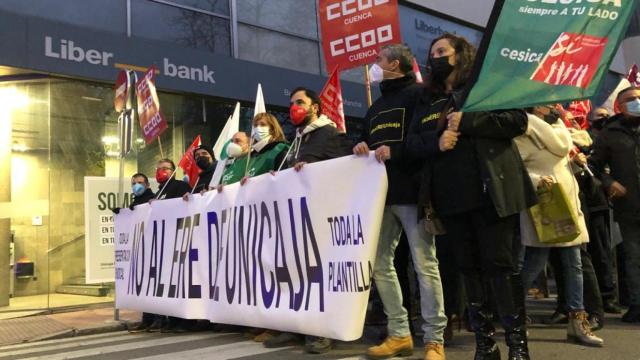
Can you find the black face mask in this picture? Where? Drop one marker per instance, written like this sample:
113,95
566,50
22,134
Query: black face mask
550,119
203,162
440,68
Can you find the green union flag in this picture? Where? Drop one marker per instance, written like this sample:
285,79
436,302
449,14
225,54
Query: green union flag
547,51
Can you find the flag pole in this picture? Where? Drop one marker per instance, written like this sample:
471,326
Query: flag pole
367,84
160,145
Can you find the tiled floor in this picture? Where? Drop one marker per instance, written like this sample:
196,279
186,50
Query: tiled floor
51,301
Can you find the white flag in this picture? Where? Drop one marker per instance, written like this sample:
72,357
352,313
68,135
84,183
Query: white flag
260,107
231,127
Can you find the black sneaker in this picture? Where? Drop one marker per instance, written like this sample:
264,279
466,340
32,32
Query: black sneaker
595,322
141,327
632,315
558,317
610,307
318,345
284,339
156,326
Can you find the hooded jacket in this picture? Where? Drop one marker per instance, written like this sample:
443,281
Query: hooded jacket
387,123
318,141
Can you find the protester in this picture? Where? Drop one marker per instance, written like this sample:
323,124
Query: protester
544,149
206,162
269,147
142,193
237,151
477,185
618,148
384,131
317,139
170,188
598,120
269,150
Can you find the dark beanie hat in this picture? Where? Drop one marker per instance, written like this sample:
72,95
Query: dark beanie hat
205,148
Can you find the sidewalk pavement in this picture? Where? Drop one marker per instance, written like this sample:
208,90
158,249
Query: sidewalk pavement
64,324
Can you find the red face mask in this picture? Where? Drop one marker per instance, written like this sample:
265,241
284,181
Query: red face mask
162,175
297,114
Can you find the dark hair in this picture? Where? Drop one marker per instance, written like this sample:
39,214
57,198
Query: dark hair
402,53
173,165
315,99
146,179
630,88
465,57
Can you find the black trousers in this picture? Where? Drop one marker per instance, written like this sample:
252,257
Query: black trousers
482,241
452,285
602,254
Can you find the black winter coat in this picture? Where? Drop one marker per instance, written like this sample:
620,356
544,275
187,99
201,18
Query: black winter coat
174,189
483,169
618,147
387,123
324,143
205,178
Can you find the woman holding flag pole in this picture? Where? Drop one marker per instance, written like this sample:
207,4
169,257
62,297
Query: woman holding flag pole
475,181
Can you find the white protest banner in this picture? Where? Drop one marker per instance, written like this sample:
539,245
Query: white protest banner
291,252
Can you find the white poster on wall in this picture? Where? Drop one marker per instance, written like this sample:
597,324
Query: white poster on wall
100,196
291,252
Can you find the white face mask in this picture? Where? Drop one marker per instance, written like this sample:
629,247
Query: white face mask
376,74
234,150
260,133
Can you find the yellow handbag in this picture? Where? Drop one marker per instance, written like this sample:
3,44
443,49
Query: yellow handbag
553,217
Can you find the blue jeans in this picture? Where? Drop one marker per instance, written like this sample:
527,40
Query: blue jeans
631,247
423,251
535,259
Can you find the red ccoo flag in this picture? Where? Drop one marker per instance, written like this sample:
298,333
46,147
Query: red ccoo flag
331,97
634,75
188,163
416,70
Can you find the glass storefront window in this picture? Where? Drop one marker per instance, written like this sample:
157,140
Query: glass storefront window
24,197
269,47
92,14
294,16
54,133
184,27
215,6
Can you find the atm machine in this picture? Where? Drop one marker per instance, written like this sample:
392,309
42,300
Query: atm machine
12,266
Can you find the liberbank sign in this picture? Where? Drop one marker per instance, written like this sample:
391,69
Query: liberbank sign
60,49
68,50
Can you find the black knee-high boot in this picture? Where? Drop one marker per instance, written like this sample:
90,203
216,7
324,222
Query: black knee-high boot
480,319
509,296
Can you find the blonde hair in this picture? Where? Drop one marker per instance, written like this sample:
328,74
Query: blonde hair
276,131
